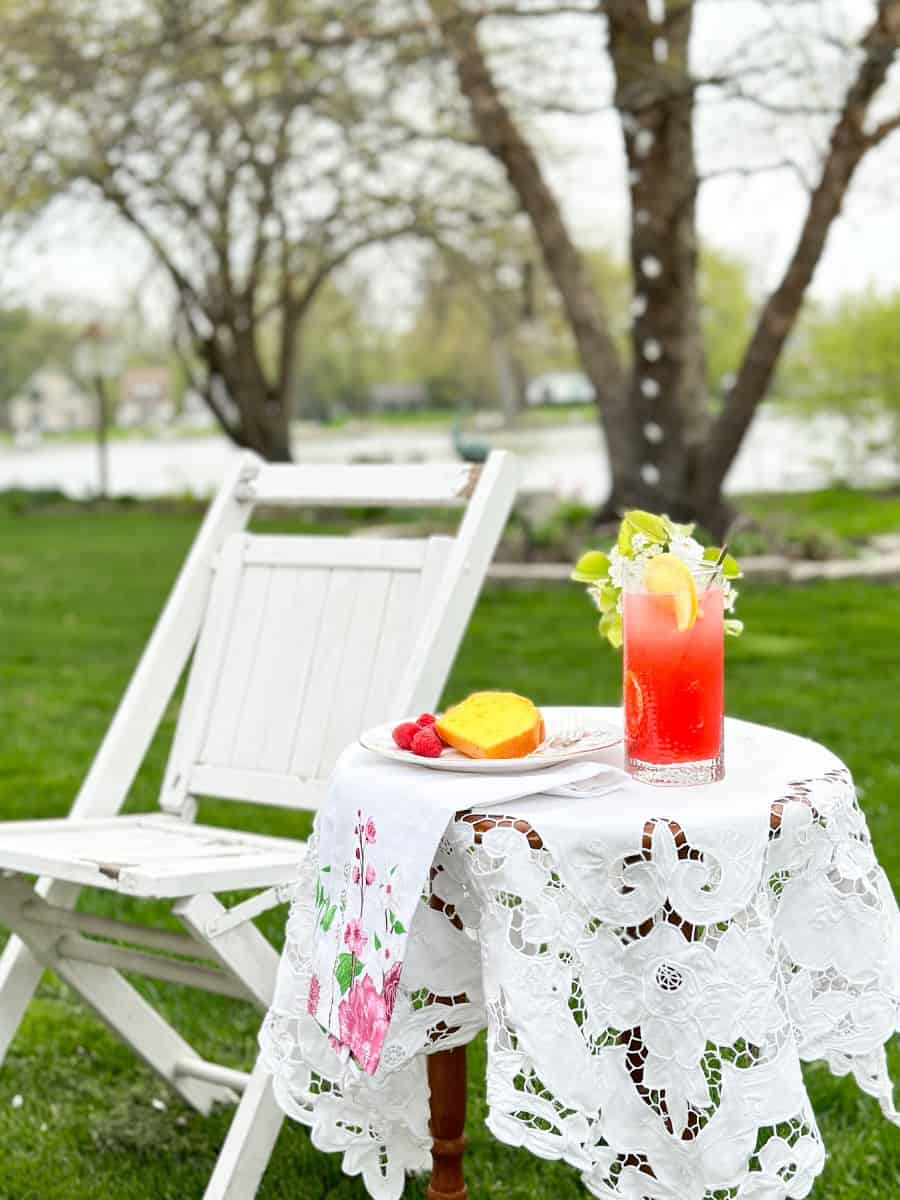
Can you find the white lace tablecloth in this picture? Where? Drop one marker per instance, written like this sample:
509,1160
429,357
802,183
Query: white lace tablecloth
651,967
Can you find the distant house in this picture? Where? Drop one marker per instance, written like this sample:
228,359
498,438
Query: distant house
51,402
398,397
145,396
559,387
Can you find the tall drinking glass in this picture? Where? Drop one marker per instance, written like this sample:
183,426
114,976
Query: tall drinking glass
673,683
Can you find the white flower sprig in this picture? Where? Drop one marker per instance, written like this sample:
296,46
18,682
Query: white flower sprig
642,536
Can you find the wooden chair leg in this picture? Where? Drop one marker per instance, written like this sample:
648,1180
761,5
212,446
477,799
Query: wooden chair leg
251,1139
447,1080
114,1000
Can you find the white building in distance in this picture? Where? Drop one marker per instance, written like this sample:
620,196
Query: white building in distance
51,402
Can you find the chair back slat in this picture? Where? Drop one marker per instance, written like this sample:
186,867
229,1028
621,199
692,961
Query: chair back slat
409,599
236,656
308,640
302,657
358,553
359,485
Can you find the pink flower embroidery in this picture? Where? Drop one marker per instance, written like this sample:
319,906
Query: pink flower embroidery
355,938
312,1000
370,876
389,988
363,1022
370,830
356,874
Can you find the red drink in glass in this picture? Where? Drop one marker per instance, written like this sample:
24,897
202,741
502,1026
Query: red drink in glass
673,686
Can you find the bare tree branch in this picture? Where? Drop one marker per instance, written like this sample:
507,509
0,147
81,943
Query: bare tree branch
502,137
847,147
667,447
882,130
751,170
254,165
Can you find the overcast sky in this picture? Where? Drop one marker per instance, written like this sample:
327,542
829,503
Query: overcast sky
79,255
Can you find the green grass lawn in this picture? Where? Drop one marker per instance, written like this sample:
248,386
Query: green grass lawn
835,514
79,592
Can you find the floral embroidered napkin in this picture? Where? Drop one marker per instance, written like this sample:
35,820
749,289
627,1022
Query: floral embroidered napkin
377,835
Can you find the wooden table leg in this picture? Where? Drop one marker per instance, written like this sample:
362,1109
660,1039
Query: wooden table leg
447,1080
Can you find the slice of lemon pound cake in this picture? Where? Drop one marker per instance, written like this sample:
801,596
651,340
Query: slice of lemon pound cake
492,725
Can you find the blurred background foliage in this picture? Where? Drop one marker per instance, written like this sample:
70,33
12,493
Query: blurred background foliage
842,358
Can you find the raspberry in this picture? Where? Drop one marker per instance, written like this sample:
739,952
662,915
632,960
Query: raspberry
404,734
427,744
425,719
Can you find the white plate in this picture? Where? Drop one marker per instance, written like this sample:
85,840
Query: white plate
571,734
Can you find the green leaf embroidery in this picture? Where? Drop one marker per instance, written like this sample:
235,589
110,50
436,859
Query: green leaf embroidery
328,917
396,925
346,970
377,941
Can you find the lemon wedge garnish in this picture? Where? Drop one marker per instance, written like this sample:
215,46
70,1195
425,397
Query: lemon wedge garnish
666,575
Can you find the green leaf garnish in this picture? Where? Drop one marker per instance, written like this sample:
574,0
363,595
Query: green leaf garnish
649,524
675,529
730,567
623,542
606,597
591,567
611,627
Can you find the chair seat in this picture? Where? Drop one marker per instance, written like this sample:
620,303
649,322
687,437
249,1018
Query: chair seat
147,855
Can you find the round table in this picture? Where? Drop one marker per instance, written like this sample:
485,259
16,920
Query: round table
651,966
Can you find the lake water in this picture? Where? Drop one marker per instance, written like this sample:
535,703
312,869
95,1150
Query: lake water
781,453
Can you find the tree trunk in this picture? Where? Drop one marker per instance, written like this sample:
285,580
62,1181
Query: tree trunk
666,451
565,264
667,402
264,424
251,411
508,370
271,436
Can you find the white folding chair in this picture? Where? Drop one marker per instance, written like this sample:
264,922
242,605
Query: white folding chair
299,643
